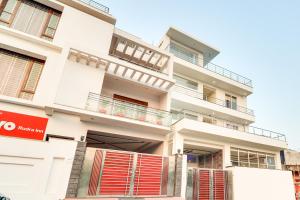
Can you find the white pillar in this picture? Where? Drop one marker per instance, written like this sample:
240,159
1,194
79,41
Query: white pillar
226,156
177,143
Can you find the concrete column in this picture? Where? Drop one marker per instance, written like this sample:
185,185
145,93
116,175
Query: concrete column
76,170
178,142
180,175
278,161
226,156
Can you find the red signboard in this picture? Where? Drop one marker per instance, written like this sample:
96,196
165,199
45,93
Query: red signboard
23,126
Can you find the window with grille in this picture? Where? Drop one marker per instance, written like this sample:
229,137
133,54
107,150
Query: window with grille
245,158
30,17
19,74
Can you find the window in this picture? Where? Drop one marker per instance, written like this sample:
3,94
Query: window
8,8
51,25
190,116
253,159
234,156
19,74
185,82
231,101
30,17
262,161
232,126
184,53
245,158
271,162
209,120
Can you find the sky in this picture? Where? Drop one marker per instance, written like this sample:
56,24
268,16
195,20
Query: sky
257,39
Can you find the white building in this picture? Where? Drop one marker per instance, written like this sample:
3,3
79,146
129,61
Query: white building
71,83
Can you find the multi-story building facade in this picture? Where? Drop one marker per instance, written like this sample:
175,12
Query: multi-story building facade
88,110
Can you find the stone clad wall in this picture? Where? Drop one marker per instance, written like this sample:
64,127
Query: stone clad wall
76,170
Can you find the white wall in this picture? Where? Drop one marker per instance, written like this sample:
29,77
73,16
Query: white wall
35,170
112,86
76,83
262,184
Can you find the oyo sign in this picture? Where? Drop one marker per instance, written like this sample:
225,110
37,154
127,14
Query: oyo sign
23,126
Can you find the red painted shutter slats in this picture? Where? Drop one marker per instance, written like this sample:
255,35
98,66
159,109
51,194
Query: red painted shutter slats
204,184
219,185
116,173
95,174
148,175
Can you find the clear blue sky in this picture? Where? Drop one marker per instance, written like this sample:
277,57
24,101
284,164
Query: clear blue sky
257,39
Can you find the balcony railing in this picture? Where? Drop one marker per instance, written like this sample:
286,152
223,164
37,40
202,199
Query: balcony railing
201,96
96,5
180,53
107,105
266,133
227,124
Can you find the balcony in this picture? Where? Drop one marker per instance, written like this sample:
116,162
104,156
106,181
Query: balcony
192,130
109,106
205,64
96,5
132,49
215,121
201,96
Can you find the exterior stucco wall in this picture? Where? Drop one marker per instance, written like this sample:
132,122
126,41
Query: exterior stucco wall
35,169
260,184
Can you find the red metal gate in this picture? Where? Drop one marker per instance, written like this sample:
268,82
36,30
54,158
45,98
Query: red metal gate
116,173
207,184
148,175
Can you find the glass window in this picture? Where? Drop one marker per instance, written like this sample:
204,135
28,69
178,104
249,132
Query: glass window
245,158
232,126
30,17
253,159
271,162
262,160
8,10
190,116
52,25
231,101
184,53
209,120
185,82
234,157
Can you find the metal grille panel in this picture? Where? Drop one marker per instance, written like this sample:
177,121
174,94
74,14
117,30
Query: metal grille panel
95,174
148,175
204,185
115,179
118,173
219,185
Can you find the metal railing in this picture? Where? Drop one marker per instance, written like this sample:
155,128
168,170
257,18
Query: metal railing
180,53
231,125
266,133
96,5
110,106
220,102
